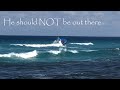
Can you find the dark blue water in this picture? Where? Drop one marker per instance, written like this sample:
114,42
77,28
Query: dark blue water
36,57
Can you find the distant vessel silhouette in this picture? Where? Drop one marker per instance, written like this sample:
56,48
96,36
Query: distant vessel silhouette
60,41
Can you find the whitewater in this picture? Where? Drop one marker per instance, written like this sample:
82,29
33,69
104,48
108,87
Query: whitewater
37,57
50,45
26,55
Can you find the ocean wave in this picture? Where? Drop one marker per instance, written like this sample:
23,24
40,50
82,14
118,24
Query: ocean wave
39,45
21,55
117,49
89,50
56,52
83,43
73,51
72,47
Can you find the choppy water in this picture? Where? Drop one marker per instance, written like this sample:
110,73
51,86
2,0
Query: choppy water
37,57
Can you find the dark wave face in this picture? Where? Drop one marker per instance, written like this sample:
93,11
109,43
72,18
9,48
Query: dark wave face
38,57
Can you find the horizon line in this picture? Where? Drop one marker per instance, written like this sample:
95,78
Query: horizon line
58,36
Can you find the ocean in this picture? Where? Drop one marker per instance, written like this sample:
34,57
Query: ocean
37,57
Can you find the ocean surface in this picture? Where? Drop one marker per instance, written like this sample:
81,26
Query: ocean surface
36,57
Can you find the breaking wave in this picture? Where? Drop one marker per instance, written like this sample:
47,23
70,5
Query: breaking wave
54,52
60,51
39,45
21,55
83,43
73,51
89,50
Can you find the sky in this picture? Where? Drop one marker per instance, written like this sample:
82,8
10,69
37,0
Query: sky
109,23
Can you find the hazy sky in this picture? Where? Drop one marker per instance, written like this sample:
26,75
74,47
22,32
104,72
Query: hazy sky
109,23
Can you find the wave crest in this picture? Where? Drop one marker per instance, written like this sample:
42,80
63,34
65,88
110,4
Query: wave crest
89,50
83,43
21,55
73,51
56,52
39,45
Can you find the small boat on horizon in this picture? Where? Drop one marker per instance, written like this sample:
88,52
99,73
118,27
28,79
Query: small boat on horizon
60,41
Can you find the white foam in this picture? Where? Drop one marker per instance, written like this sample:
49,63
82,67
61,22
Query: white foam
40,45
72,47
73,51
54,52
89,50
83,43
21,55
117,48
63,49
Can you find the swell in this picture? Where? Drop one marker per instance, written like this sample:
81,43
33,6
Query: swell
39,45
34,53
25,55
49,45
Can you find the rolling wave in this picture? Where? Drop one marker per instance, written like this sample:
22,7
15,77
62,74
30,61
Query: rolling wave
72,47
60,51
34,53
73,51
39,45
21,55
83,43
54,52
89,50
